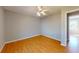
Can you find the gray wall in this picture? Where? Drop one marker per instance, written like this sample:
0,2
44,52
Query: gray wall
55,26
19,26
1,27
51,26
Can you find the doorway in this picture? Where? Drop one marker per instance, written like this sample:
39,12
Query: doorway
73,31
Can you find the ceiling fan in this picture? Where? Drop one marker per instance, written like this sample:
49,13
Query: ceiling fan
41,11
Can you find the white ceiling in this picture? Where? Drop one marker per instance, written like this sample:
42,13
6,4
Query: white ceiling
32,10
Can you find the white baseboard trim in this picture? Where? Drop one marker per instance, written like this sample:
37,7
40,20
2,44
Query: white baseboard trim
53,38
17,40
63,44
2,47
22,38
50,37
29,37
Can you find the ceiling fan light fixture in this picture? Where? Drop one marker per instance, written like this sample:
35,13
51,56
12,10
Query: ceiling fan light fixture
41,11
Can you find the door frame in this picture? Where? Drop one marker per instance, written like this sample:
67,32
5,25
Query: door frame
67,24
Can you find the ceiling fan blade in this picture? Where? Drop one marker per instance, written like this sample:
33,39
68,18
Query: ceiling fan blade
38,14
43,13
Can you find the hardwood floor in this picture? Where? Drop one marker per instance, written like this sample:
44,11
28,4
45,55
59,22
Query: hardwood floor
38,44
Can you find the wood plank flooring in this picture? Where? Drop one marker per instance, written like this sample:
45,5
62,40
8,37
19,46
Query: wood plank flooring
37,44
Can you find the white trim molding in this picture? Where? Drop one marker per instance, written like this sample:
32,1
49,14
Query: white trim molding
22,38
17,40
54,38
64,23
51,37
29,37
2,47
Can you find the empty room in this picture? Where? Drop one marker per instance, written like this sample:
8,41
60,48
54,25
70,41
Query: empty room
39,29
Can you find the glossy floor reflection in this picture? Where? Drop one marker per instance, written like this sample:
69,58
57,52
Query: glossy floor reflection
73,43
